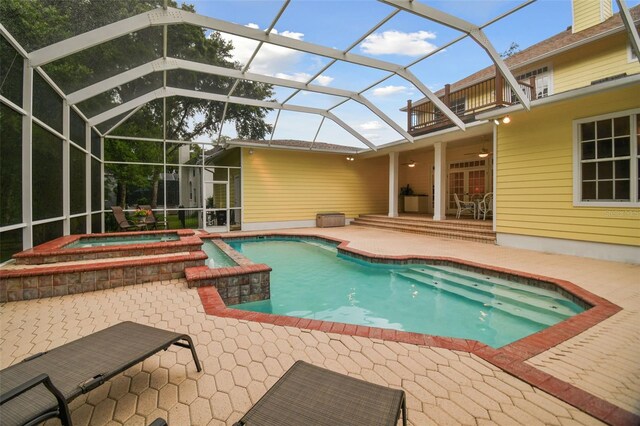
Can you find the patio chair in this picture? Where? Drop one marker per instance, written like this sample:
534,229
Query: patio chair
486,205
310,395
125,224
151,220
464,206
41,386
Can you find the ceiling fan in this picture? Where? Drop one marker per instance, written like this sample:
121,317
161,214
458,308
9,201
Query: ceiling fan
483,153
411,163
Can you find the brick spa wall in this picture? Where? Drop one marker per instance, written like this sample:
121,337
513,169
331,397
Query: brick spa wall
235,284
51,281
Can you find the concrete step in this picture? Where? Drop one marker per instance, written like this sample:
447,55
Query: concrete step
467,231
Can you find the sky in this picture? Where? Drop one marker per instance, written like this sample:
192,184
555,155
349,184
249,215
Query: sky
402,40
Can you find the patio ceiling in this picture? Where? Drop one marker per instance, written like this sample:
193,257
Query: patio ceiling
291,91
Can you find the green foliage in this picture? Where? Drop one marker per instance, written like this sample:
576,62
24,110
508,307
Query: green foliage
39,23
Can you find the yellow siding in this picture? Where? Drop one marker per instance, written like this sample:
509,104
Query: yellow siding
535,175
587,13
605,58
292,185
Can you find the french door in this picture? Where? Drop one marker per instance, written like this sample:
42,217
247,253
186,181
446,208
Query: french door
468,179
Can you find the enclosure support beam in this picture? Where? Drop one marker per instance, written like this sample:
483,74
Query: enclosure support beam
170,64
627,19
472,30
176,16
159,93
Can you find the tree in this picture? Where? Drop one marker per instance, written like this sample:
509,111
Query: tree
512,50
38,23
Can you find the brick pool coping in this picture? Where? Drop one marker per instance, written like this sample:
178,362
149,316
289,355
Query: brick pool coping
55,250
511,358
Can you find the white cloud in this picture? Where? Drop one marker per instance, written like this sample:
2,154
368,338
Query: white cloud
322,80
371,125
390,90
399,43
371,136
270,58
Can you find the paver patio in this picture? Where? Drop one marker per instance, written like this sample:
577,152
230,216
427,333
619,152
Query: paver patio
242,359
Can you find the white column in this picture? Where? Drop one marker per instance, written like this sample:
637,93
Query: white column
66,196
494,175
440,181
393,184
87,175
27,159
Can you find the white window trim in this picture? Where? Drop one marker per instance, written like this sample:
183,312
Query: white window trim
631,57
549,67
577,175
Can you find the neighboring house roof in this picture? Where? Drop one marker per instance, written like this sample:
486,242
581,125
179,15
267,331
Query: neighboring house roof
290,143
545,48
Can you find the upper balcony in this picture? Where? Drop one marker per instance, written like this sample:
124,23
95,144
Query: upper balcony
466,102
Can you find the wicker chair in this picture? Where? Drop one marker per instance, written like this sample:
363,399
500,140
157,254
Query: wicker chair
464,206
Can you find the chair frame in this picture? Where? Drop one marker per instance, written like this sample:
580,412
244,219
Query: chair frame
486,205
125,224
464,206
151,220
79,366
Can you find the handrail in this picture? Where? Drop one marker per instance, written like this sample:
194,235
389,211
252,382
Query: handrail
490,93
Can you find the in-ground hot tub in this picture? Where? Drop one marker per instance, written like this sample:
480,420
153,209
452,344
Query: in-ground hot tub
110,245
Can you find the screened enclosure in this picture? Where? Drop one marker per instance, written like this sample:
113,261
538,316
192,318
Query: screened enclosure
135,102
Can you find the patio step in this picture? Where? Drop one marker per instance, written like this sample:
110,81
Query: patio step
468,230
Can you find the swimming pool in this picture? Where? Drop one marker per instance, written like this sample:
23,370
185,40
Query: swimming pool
120,241
310,279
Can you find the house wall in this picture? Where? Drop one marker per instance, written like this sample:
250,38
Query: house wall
580,66
535,175
282,186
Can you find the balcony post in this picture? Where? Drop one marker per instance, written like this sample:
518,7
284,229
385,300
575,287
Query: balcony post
499,83
409,116
447,91
534,92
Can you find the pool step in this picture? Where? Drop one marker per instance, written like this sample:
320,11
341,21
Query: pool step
517,293
468,230
511,306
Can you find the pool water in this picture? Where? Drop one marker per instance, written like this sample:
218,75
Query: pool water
121,241
311,280
216,257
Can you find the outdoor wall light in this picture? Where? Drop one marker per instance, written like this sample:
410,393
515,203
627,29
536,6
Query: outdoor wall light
504,120
250,151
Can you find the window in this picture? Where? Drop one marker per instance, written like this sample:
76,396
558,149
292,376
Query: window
607,160
544,83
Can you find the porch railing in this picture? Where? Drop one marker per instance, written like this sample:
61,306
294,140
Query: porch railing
465,103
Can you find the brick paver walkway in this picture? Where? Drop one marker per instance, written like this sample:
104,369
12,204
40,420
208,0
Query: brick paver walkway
242,359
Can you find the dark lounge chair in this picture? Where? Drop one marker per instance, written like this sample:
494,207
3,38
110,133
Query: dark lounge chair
125,224
151,220
313,396
41,386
